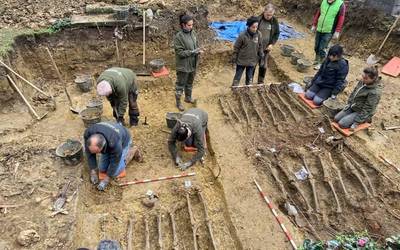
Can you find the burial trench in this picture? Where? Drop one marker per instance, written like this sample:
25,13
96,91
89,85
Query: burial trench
351,193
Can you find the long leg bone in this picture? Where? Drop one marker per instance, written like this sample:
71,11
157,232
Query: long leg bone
147,233
363,172
255,108
243,106
353,170
287,105
328,179
208,222
131,223
268,98
233,111
312,183
296,102
159,227
346,194
268,108
293,182
174,231
192,221
266,163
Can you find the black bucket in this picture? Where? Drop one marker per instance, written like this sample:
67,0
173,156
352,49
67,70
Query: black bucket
157,65
90,116
84,83
71,152
172,118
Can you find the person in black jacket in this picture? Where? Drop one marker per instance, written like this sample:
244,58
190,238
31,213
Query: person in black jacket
113,141
269,28
330,79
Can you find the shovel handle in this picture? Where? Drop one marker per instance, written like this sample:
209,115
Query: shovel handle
23,97
23,79
388,34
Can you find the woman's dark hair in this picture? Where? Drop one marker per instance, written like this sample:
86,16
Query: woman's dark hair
182,133
251,20
184,19
335,50
371,72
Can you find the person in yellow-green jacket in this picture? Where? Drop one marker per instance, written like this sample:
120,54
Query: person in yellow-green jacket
327,23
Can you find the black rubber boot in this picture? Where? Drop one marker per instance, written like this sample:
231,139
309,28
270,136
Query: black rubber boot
179,103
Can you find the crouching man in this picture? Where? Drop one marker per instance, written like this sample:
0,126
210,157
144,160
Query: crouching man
113,141
191,130
362,102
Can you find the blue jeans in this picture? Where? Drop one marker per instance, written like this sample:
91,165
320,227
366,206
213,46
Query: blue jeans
239,73
345,118
318,94
321,43
105,161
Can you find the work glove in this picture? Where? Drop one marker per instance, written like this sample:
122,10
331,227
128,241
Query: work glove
336,35
313,29
102,186
333,97
186,165
94,178
353,126
178,160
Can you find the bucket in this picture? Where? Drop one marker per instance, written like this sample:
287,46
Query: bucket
296,56
95,102
172,118
303,65
121,13
287,50
71,152
90,116
157,65
331,107
84,83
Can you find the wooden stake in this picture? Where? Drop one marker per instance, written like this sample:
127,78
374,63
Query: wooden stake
144,37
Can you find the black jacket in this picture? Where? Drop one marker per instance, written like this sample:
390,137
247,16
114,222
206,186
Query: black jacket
332,75
117,138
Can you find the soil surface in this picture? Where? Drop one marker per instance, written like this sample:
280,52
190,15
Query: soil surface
260,133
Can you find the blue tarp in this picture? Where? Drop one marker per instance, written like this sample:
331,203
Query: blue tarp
229,31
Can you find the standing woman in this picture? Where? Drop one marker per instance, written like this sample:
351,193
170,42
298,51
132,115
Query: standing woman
247,51
187,57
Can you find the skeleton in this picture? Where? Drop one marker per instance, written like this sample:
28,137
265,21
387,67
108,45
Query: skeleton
353,170
275,90
255,108
268,98
285,89
328,179
363,172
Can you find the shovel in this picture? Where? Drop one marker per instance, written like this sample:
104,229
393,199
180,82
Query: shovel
373,59
73,110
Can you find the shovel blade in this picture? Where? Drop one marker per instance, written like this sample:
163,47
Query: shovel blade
372,60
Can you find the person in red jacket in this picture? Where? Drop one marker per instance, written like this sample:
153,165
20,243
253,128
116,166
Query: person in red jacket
327,23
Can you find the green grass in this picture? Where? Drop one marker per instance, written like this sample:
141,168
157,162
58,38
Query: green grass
8,35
